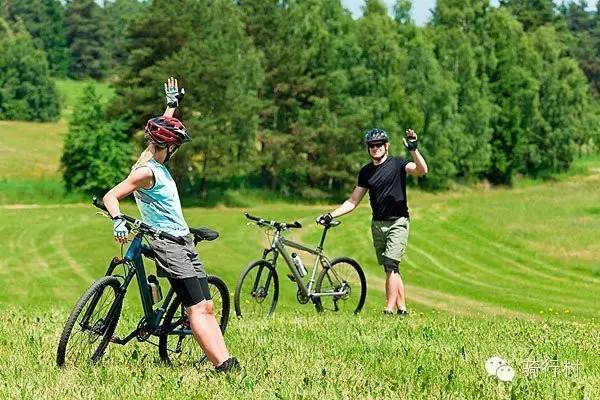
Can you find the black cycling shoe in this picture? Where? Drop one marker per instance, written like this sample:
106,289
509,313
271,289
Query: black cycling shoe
388,312
229,365
403,313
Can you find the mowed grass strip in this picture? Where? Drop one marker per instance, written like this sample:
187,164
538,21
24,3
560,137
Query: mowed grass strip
455,248
30,150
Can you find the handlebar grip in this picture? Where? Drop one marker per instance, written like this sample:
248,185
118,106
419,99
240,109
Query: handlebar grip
251,217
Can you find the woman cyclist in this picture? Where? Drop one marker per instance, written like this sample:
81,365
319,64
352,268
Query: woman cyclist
157,199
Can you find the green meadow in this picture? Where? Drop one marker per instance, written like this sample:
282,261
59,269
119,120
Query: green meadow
507,272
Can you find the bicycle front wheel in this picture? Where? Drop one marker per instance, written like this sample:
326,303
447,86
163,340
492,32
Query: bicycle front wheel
257,291
342,287
177,344
91,324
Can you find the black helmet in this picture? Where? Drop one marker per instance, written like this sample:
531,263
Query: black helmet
376,135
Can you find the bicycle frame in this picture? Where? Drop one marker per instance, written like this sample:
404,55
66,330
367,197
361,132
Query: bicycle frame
135,267
278,246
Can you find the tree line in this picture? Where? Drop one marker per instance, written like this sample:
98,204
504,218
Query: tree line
280,91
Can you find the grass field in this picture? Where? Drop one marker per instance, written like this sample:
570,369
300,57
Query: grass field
507,272
514,273
30,153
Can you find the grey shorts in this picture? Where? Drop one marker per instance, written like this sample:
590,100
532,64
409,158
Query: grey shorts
390,238
177,261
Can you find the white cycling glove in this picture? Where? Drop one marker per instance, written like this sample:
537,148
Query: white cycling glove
120,228
173,94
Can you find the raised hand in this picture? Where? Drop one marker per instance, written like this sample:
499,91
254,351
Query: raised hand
173,94
410,142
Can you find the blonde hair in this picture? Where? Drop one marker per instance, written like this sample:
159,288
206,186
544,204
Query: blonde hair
147,155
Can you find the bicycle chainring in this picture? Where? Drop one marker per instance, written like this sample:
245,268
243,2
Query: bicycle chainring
302,298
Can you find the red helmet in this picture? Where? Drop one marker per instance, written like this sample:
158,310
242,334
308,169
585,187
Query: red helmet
166,130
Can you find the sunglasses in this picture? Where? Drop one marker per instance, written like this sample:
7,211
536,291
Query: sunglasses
375,145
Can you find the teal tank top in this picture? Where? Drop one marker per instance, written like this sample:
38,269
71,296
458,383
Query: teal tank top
160,206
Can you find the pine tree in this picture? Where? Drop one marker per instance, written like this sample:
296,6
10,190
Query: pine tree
221,73
86,38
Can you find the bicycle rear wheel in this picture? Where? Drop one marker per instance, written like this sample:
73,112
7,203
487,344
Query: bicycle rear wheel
257,290
177,344
91,324
347,280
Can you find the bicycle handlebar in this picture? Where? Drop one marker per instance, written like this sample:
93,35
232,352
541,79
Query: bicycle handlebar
141,226
275,224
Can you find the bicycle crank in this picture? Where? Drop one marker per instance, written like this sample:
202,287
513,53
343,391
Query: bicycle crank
302,298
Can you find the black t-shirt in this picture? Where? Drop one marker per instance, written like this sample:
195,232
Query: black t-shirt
387,188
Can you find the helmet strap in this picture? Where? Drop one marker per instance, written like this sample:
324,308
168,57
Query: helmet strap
170,153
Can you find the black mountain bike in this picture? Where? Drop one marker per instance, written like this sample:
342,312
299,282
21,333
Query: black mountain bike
91,325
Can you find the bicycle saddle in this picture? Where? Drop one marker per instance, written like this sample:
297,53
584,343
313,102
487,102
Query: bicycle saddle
201,234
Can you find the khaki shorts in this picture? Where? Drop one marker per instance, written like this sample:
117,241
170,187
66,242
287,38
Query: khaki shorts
390,238
177,261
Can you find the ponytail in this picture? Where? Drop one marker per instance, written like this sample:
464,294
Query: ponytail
147,155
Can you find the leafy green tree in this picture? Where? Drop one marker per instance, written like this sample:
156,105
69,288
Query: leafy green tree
585,43
44,20
564,103
86,37
402,11
434,94
461,39
531,13
26,90
515,90
96,153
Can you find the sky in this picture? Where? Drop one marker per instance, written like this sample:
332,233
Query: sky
420,10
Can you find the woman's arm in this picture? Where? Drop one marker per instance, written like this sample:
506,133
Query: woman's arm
141,177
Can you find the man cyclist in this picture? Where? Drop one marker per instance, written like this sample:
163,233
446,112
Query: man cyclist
158,201
385,180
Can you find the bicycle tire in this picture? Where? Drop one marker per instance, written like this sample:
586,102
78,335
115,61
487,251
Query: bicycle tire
336,281
256,292
186,348
101,328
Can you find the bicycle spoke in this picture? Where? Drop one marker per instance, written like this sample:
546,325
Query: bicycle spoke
257,291
90,325
342,287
